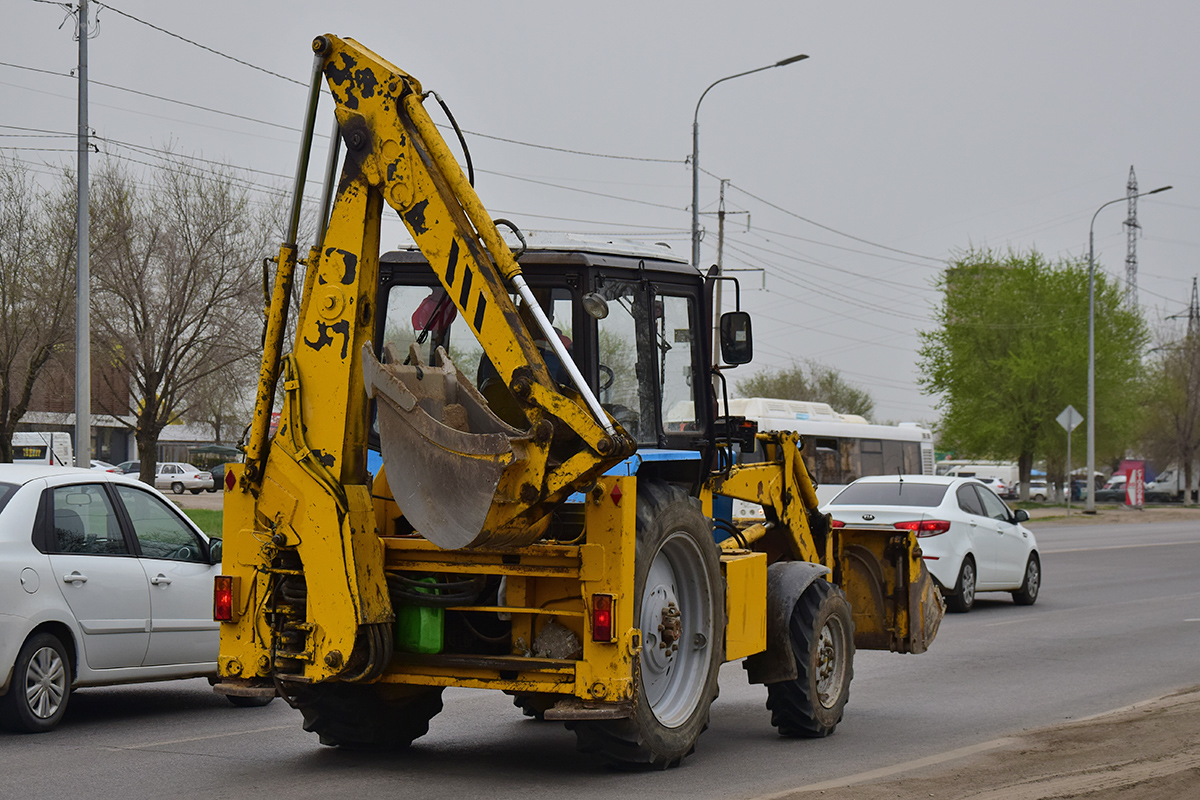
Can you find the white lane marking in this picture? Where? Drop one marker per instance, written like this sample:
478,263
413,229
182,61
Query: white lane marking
200,738
1138,546
884,772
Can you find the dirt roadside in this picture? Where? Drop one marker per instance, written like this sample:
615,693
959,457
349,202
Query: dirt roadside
1112,514
1149,751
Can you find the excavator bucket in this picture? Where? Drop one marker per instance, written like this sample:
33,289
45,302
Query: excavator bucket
445,452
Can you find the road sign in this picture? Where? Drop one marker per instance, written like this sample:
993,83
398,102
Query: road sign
1069,419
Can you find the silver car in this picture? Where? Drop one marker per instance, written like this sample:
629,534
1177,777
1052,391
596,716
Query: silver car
102,581
970,540
180,478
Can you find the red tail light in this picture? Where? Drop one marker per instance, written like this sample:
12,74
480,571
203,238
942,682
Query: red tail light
836,523
602,618
924,527
223,598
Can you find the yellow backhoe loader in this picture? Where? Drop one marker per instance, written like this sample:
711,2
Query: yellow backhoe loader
509,471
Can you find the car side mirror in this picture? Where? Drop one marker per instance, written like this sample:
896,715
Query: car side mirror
737,345
1020,515
214,551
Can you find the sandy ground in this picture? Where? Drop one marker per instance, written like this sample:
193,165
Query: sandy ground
1112,514
1150,751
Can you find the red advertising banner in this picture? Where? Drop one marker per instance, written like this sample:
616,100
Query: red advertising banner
1135,485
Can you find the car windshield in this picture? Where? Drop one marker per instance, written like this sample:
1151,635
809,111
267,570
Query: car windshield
901,493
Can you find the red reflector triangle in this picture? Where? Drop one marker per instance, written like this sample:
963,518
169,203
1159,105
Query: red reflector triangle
616,494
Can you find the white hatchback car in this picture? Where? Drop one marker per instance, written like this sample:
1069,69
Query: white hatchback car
102,581
971,542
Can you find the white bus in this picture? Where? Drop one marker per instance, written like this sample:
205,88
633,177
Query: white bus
839,448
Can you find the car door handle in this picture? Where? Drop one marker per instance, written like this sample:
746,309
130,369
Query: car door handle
160,579
74,577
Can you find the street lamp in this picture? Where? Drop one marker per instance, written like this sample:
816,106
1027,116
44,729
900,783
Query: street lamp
1090,505
696,151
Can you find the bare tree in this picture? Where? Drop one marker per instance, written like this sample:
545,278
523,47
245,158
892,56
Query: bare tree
177,294
36,287
1172,406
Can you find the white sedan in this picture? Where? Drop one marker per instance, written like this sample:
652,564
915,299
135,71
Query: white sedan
971,542
102,581
180,478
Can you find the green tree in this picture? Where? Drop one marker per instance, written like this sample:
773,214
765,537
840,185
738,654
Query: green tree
810,381
1010,353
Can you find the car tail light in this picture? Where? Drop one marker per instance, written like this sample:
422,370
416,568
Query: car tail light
224,589
602,618
924,527
836,523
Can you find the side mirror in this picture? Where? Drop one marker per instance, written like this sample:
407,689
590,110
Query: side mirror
737,345
1020,515
214,551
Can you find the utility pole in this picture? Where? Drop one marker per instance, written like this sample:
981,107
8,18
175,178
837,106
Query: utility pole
721,269
83,355
1131,229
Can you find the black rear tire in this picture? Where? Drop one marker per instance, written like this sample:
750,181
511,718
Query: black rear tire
822,632
177,488
367,716
1027,595
40,686
962,599
677,581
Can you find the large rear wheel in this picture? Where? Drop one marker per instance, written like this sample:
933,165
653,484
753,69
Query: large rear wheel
822,632
367,716
679,605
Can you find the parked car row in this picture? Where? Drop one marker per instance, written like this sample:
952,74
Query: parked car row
102,581
970,540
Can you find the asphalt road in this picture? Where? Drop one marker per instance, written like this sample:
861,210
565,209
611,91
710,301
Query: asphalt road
1118,622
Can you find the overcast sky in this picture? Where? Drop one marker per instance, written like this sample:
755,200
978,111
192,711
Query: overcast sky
924,128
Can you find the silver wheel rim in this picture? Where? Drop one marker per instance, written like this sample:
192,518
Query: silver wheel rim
45,683
1033,578
831,662
677,623
968,583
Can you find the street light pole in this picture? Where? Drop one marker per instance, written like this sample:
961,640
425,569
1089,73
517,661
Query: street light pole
1090,505
696,150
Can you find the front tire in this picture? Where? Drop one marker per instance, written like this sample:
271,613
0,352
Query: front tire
963,598
679,604
40,687
367,716
1028,593
822,632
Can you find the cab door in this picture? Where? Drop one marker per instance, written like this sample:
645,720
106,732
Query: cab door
177,573
98,575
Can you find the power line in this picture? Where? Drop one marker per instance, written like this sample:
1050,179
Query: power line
197,44
833,230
